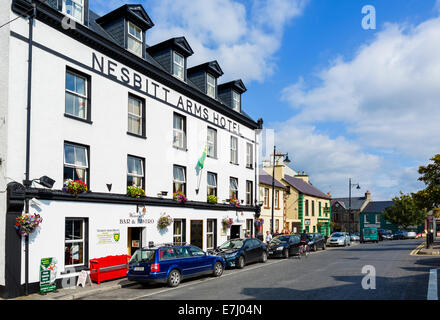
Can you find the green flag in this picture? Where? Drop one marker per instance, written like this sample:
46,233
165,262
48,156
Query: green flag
201,161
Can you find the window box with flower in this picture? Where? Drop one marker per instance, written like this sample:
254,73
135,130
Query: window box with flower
135,192
234,202
180,197
75,187
212,199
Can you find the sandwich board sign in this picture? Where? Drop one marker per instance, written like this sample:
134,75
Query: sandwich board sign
48,275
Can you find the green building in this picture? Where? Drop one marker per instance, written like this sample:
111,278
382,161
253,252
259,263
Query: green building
372,216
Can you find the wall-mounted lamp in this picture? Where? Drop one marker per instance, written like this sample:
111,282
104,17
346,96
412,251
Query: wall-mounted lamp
109,187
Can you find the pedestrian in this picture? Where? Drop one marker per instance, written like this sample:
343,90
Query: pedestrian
268,237
248,235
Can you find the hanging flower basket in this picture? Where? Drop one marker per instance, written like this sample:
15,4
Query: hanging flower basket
27,223
180,197
135,192
164,221
212,199
234,202
75,187
227,223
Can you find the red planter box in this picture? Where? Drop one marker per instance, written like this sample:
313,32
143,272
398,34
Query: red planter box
109,268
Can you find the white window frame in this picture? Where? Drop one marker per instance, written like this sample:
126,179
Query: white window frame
78,3
176,63
211,145
74,93
212,187
210,85
277,199
249,154
183,183
83,226
74,165
179,132
234,150
236,101
135,116
142,176
135,38
235,191
266,197
366,218
177,235
249,192
377,218
210,233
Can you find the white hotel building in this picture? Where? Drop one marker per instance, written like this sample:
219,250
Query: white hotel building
96,101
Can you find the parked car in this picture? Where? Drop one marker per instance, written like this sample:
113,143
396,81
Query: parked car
339,239
239,252
172,263
284,246
355,236
369,235
386,234
316,240
382,234
399,235
411,235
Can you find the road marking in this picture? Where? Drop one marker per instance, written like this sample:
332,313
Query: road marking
208,279
416,250
432,286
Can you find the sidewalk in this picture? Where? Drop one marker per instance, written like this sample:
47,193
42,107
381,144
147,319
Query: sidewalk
80,292
433,251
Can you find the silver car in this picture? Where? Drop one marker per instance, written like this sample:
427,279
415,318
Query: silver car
339,239
411,235
355,237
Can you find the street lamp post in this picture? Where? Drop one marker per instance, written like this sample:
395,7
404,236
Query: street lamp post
285,160
350,185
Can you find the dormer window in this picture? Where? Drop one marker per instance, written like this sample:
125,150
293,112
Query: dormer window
134,43
178,66
210,86
74,9
235,101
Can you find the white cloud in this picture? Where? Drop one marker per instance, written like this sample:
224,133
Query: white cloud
387,98
243,39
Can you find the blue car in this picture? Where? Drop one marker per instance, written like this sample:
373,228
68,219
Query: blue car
172,263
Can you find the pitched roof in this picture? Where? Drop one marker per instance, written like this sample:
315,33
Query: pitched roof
211,66
134,12
356,202
267,179
377,206
305,187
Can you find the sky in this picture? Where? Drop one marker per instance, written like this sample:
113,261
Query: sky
343,100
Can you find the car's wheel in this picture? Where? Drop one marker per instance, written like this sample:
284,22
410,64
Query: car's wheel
174,278
264,257
286,253
314,247
240,264
218,269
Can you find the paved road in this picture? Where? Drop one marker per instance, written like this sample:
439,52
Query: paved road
335,273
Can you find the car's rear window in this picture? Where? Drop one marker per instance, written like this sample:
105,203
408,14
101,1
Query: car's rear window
167,254
143,255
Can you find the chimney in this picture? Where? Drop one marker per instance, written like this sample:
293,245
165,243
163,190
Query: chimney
368,195
304,177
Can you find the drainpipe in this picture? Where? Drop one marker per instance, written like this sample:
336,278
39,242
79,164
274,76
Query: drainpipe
27,183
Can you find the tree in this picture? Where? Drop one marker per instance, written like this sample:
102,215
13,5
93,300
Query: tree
429,198
405,212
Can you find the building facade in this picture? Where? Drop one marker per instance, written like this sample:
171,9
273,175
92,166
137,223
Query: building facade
307,208
97,102
342,220
279,204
